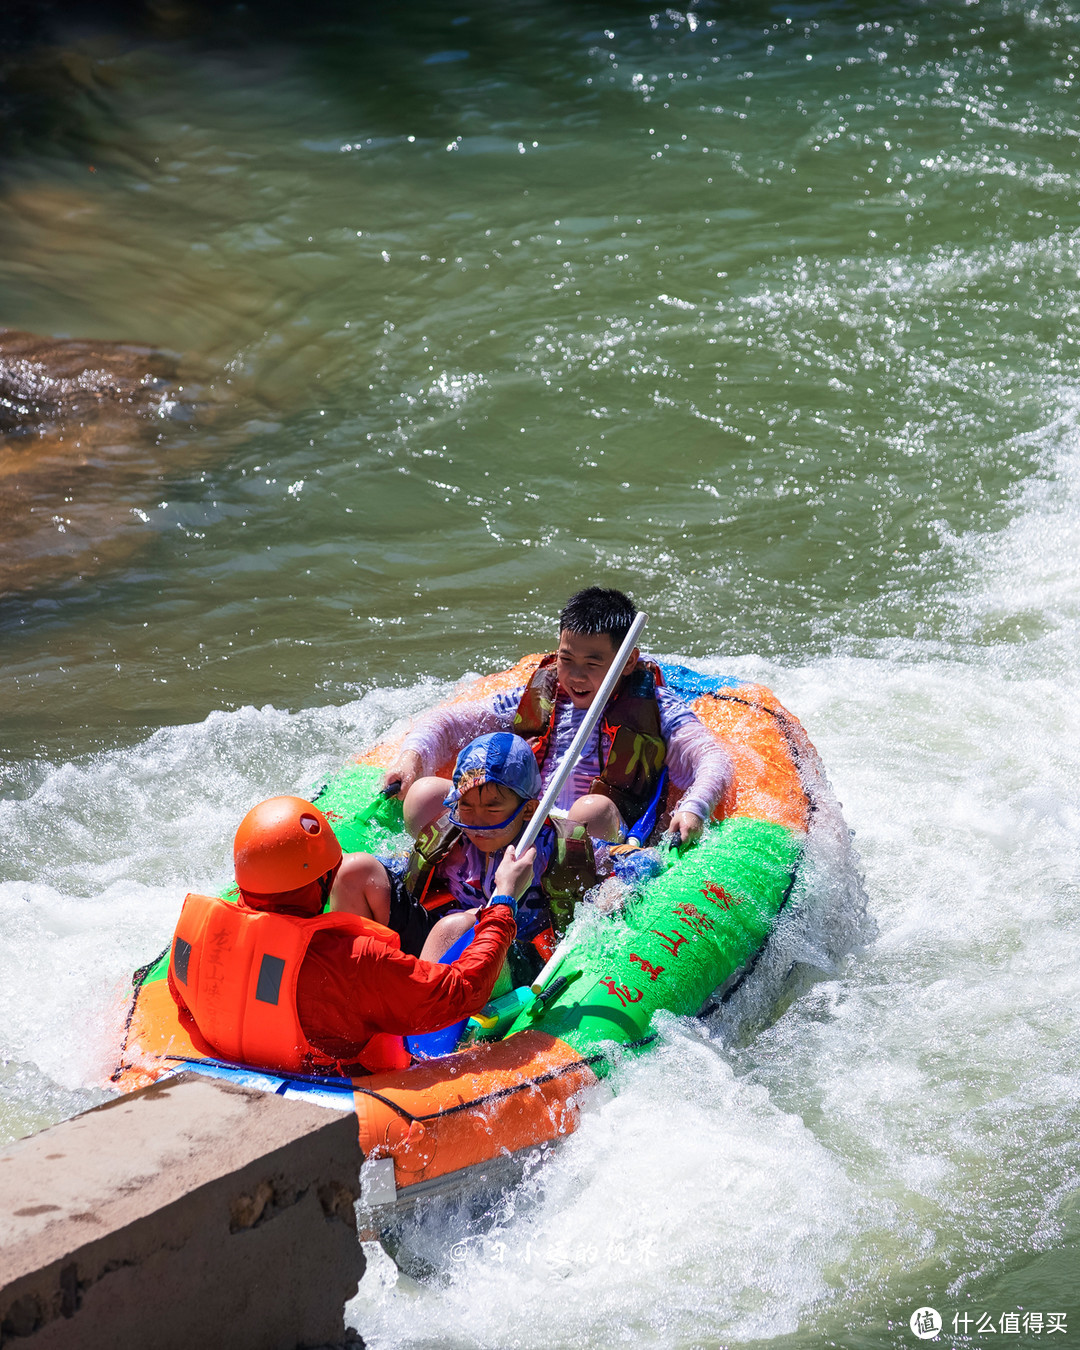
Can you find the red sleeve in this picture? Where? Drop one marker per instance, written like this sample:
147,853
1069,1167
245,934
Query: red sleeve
411,996
379,989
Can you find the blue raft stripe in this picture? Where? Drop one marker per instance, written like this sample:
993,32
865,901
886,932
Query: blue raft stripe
691,684
325,1090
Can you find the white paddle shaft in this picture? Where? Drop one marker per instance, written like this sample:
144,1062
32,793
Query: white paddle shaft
570,759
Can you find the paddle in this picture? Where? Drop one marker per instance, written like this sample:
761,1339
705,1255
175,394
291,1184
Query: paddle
381,797
569,762
570,759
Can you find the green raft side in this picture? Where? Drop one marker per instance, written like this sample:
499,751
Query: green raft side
691,929
363,821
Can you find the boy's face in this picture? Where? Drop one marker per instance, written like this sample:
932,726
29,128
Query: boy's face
582,663
489,804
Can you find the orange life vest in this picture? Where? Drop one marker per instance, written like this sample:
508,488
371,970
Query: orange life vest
233,971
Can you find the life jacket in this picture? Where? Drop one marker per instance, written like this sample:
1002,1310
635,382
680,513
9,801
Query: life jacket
569,874
631,721
233,972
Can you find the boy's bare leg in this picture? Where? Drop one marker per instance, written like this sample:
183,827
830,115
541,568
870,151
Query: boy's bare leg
362,887
446,932
600,816
424,803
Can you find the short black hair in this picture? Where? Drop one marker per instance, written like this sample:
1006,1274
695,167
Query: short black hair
596,610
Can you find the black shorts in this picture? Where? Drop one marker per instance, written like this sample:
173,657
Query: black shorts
408,917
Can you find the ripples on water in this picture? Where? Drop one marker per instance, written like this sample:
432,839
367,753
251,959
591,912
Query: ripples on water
769,316
750,332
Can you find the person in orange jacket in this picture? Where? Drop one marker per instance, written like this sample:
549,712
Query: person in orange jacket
273,982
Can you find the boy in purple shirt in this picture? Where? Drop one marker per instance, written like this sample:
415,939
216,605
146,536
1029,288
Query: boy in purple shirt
645,732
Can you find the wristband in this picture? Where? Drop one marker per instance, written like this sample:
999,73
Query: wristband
507,900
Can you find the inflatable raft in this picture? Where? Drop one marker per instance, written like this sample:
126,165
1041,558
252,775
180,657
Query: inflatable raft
682,941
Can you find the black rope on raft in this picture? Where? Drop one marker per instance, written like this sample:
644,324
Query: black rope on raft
138,979
587,1062
781,719
490,1097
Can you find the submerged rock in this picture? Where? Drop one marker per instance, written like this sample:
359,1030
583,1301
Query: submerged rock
49,382
80,426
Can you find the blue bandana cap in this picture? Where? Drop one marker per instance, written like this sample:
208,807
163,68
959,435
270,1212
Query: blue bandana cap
500,757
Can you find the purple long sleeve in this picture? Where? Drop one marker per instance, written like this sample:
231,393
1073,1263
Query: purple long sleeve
437,736
697,763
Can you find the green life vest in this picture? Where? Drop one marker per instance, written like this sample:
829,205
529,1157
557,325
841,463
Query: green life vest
631,721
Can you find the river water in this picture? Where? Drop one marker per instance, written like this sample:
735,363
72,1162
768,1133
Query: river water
766,313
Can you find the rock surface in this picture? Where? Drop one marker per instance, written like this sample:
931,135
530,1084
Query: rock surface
80,461
193,1213
47,382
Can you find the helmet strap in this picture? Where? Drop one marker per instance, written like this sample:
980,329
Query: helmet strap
326,884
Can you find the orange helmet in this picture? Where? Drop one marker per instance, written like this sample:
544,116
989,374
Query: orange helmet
283,843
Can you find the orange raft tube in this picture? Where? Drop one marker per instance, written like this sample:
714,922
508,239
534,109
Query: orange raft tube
446,1115
434,1119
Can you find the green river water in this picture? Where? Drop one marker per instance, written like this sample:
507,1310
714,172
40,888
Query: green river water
766,313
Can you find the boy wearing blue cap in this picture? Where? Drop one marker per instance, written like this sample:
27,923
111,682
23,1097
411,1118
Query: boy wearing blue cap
465,858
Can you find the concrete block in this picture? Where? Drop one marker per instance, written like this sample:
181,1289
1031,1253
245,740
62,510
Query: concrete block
189,1215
